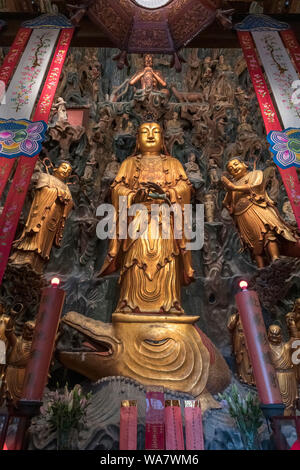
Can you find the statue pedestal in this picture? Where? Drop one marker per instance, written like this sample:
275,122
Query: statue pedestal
161,350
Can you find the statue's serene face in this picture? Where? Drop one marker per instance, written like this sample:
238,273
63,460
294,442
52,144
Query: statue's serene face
150,138
236,168
64,170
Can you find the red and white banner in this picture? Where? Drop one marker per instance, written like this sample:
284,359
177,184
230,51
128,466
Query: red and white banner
24,87
6,71
155,427
292,46
289,176
17,192
193,425
281,74
265,102
128,425
173,425
13,56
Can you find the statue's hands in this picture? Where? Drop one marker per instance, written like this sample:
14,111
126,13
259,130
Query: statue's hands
227,184
155,187
141,195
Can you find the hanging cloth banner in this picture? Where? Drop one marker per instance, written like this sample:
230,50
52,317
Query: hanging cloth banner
264,24
17,192
193,425
128,425
155,427
265,102
173,425
25,85
6,71
281,74
292,46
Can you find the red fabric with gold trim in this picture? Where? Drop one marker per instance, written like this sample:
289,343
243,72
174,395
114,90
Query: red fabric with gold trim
6,71
292,45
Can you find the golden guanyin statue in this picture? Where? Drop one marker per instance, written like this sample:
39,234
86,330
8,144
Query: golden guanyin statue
151,270
150,338
259,223
46,220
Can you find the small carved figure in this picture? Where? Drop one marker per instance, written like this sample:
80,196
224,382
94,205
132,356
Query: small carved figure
110,173
289,215
3,347
293,324
213,172
272,183
65,134
148,77
17,359
239,349
193,171
46,220
285,369
174,132
193,75
260,225
209,206
242,100
60,110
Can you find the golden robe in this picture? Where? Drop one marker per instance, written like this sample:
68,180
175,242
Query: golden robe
152,270
286,375
255,215
50,207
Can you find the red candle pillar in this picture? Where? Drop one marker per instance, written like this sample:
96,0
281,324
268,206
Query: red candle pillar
259,350
47,322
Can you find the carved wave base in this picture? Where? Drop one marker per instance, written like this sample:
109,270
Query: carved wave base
168,351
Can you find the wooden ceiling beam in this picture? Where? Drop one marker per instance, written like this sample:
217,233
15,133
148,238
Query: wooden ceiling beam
89,35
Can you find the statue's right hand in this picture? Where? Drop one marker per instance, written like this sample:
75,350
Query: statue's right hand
141,195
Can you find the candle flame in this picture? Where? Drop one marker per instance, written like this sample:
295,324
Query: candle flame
55,281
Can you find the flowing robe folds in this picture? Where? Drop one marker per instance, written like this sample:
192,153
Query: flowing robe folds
254,213
286,375
49,210
152,269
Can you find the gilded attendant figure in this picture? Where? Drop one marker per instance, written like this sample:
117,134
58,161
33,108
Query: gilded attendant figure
260,225
46,220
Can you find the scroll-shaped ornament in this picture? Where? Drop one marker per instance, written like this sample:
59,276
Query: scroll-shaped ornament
285,145
21,137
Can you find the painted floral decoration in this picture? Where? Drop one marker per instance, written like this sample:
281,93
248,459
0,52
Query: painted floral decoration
21,137
286,147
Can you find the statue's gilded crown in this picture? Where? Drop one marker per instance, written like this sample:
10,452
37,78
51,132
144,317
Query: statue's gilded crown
150,117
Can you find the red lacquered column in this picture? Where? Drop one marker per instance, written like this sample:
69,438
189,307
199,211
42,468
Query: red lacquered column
258,346
47,322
